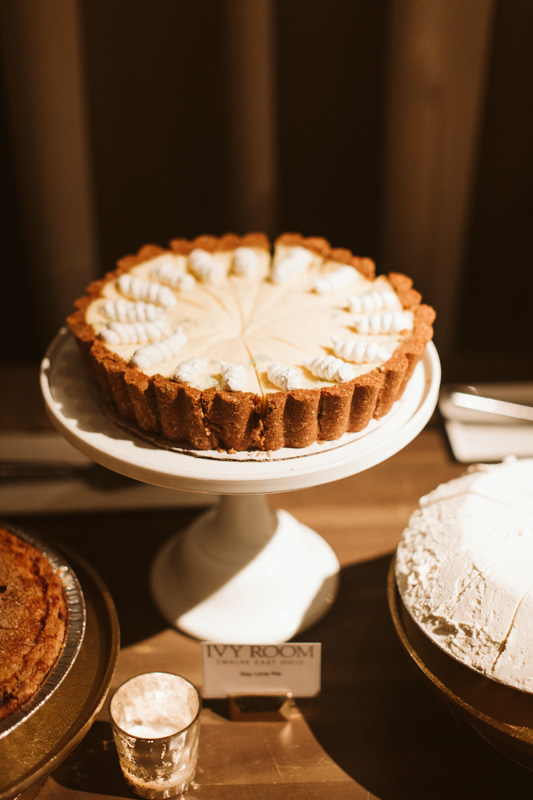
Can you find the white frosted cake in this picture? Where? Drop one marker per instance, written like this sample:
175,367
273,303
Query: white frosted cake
464,570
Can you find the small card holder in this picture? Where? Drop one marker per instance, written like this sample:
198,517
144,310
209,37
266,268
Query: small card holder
260,708
259,681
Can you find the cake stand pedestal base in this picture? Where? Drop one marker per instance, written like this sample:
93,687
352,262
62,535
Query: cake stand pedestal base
244,573
241,573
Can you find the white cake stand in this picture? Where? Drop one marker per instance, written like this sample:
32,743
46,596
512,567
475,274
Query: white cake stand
241,572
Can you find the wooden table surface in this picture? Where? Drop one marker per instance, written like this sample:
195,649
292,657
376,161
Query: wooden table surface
375,731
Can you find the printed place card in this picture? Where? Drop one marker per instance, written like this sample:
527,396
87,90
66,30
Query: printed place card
261,669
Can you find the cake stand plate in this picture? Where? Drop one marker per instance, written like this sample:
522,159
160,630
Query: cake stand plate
241,572
500,714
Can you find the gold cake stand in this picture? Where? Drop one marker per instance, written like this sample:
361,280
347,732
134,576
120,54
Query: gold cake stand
35,747
503,716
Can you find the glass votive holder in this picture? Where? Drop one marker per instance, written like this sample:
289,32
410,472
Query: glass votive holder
156,725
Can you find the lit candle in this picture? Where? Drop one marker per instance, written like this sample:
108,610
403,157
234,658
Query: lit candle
155,719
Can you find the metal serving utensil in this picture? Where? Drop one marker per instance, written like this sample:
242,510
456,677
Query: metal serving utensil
464,403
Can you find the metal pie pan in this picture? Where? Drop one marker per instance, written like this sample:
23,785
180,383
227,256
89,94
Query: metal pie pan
74,634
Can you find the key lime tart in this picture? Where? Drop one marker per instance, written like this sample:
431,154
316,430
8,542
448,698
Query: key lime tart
464,570
233,343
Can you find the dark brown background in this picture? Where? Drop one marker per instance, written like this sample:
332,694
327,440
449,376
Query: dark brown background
158,105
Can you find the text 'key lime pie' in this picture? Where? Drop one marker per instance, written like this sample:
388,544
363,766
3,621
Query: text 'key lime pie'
231,343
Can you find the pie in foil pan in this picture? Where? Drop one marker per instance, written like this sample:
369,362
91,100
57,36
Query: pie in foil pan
74,632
